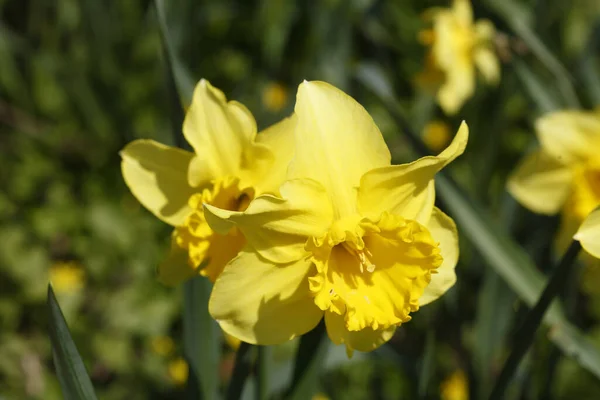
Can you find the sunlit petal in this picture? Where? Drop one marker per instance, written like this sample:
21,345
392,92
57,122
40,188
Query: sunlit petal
278,228
157,176
541,183
336,142
364,340
443,230
407,189
487,63
217,130
259,302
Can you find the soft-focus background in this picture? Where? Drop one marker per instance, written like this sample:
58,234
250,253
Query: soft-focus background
81,78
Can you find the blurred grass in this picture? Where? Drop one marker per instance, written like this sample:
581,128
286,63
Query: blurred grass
80,78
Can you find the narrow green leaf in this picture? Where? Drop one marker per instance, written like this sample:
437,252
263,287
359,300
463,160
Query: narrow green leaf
183,78
518,18
243,366
262,366
526,334
72,375
309,363
538,91
427,365
201,339
589,67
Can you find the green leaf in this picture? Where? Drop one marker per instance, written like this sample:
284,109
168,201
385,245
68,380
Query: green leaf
538,91
309,363
241,371
201,339
72,375
427,366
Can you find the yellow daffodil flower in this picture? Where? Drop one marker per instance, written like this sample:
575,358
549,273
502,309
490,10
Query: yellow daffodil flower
564,174
230,165
351,238
589,233
458,46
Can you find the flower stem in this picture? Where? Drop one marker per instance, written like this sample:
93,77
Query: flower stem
241,370
534,318
262,372
309,362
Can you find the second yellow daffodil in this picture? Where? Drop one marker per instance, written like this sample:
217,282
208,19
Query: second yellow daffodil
230,165
458,46
351,238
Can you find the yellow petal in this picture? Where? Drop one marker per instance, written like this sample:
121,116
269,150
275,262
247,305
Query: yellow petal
336,142
407,189
541,183
463,12
487,63
363,340
589,233
277,227
262,303
157,175
218,131
459,86
267,161
443,230
570,136
176,267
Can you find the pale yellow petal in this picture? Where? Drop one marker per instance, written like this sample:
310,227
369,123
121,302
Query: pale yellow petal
407,189
487,63
463,12
589,233
218,131
541,183
278,228
336,142
570,136
458,87
267,161
443,230
157,175
262,303
363,340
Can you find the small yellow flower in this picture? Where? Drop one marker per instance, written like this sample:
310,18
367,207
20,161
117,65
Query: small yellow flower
351,238
274,96
178,370
455,387
458,46
564,174
162,345
67,277
436,135
231,164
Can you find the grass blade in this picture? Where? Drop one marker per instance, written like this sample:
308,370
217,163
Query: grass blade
201,336
309,361
72,375
534,318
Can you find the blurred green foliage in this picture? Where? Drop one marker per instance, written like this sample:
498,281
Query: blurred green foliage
81,78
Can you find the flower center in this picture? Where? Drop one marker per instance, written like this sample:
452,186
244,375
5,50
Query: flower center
372,272
585,195
205,247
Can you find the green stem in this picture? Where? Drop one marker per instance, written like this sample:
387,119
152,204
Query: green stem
241,370
309,362
262,366
534,318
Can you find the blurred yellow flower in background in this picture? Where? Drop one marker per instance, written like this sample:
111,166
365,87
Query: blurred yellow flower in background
274,96
455,387
436,135
351,239
458,47
178,370
66,277
230,165
564,174
162,345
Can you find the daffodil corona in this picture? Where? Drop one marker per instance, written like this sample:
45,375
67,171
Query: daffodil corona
458,46
230,165
350,238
